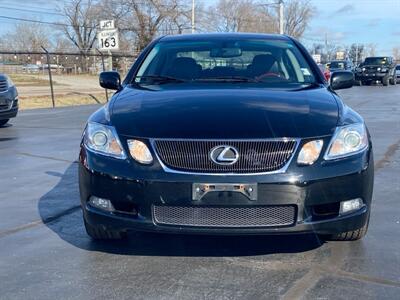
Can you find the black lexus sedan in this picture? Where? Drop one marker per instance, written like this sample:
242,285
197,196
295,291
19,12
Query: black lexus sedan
226,134
8,99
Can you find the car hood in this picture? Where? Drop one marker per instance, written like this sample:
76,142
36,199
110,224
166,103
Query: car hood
224,113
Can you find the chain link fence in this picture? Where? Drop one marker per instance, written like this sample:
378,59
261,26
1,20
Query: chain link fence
61,79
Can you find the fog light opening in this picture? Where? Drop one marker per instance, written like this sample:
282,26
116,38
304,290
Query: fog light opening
350,205
100,203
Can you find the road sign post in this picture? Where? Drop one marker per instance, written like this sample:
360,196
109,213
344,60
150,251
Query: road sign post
50,77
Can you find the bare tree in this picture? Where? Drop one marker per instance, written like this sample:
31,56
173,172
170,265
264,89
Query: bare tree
370,49
146,19
28,37
258,16
239,16
298,14
396,53
81,24
356,52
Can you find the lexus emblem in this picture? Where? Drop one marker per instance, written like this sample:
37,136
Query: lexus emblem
224,155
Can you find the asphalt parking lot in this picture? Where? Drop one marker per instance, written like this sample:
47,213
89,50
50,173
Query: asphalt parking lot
46,254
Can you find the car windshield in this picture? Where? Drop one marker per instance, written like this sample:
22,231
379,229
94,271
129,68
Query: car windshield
376,61
336,65
398,68
270,63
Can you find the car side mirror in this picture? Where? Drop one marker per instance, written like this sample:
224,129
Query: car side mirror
110,80
342,80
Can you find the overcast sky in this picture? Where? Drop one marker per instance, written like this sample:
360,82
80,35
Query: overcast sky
343,21
357,21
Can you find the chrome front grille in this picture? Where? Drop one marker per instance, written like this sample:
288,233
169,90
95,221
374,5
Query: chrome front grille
255,156
3,85
212,216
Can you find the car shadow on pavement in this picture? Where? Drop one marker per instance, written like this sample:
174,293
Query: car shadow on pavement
60,211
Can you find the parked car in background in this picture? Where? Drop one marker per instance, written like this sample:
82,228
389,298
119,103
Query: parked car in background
193,142
382,69
398,73
8,99
31,68
340,65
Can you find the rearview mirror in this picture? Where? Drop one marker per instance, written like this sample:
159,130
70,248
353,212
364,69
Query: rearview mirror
110,80
342,80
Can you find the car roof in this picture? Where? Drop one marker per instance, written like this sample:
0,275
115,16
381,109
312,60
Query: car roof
218,36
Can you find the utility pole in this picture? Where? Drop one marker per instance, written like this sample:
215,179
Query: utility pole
193,24
281,30
328,56
356,54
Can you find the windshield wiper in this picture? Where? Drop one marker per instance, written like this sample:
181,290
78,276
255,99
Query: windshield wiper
227,79
159,79
308,86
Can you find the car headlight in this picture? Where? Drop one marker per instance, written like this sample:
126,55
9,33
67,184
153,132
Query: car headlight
103,139
309,153
140,152
363,69
346,141
379,69
10,83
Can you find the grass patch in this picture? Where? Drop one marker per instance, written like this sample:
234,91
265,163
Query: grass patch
29,80
71,99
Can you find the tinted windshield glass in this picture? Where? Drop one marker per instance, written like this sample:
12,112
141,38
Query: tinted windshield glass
376,61
398,68
264,62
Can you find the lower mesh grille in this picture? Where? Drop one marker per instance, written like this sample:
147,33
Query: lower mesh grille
211,216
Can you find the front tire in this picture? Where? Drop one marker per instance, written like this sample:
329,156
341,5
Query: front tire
4,122
385,81
98,233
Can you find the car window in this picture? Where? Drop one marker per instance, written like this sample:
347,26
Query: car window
398,68
265,62
337,65
377,61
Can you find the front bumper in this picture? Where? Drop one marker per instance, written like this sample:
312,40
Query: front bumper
374,76
9,104
8,114
308,188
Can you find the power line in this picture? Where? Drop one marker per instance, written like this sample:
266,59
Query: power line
31,10
63,24
45,22
33,7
